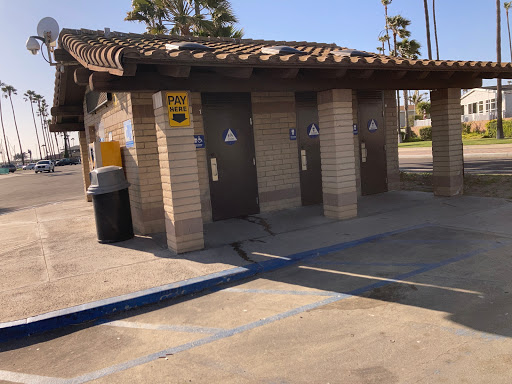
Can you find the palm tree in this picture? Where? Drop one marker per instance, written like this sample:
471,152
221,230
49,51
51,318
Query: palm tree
385,3
398,26
507,6
149,12
499,96
417,98
29,96
3,127
435,27
37,98
186,17
409,49
8,91
427,23
43,112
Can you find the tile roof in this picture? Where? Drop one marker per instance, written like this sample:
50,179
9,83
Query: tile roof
111,53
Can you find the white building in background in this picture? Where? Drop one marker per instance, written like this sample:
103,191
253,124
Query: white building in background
479,104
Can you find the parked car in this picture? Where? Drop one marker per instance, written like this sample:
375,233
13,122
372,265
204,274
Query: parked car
12,167
44,166
65,161
29,166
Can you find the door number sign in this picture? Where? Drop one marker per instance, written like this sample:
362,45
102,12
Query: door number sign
313,130
178,108
229,136
372,125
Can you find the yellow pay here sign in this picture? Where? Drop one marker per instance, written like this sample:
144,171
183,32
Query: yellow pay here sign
179,109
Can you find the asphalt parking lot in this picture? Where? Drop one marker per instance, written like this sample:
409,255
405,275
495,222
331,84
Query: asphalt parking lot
425,304
24,189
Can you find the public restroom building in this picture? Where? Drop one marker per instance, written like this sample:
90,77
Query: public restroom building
217,128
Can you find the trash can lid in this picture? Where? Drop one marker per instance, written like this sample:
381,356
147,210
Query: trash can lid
106,180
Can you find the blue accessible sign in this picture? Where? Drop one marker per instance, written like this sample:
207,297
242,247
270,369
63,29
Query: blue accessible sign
354,129
293,134
229,136
313,130
199,141
372,125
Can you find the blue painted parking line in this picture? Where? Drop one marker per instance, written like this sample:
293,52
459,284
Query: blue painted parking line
102,308
228,333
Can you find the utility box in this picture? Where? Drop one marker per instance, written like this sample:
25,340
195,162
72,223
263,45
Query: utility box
104,153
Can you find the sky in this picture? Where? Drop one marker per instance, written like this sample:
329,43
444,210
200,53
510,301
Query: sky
466,29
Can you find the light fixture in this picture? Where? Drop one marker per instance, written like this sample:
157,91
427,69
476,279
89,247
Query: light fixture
47,33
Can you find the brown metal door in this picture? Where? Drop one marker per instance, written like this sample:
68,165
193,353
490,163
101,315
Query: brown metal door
308,132
230,154
372,140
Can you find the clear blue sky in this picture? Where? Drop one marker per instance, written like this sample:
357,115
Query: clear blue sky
466,32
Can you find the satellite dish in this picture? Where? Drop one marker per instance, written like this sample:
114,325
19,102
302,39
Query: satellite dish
48,24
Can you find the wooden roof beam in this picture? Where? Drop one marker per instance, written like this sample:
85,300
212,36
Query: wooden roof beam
67,127
398,74
181,71
238,73
81,76
68,110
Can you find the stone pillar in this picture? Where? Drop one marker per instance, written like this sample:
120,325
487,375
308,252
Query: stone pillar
447,142
84,155
180,181
393,168
337,153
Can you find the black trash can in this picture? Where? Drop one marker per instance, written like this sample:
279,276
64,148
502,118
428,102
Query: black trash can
109,190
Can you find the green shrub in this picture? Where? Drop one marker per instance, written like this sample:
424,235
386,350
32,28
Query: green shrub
491,128
426,133
466,128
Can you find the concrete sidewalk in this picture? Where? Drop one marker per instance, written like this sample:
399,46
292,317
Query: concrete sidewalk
51,259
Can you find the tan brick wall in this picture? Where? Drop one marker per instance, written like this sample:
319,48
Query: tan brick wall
447,142
335,112
140,162
390,121
202,160
357,145
276,155
180,180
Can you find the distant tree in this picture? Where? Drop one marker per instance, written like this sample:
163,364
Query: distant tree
409,49
3,127
507,6
8,91
29,96
149,12
38,98
416,98
386,3
398,26
427,24
499,96
435,27
423,107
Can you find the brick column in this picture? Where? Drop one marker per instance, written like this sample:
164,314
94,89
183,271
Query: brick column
180,182
447,142
84,155
393,169
337,153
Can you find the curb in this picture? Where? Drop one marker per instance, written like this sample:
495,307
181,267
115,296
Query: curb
98,309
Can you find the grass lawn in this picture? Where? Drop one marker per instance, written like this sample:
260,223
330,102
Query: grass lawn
479,141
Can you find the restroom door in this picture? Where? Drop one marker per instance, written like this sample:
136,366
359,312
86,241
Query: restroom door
230,154
372,140
308,132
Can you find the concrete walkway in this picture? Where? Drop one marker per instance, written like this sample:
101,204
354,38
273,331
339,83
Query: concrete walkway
51,260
